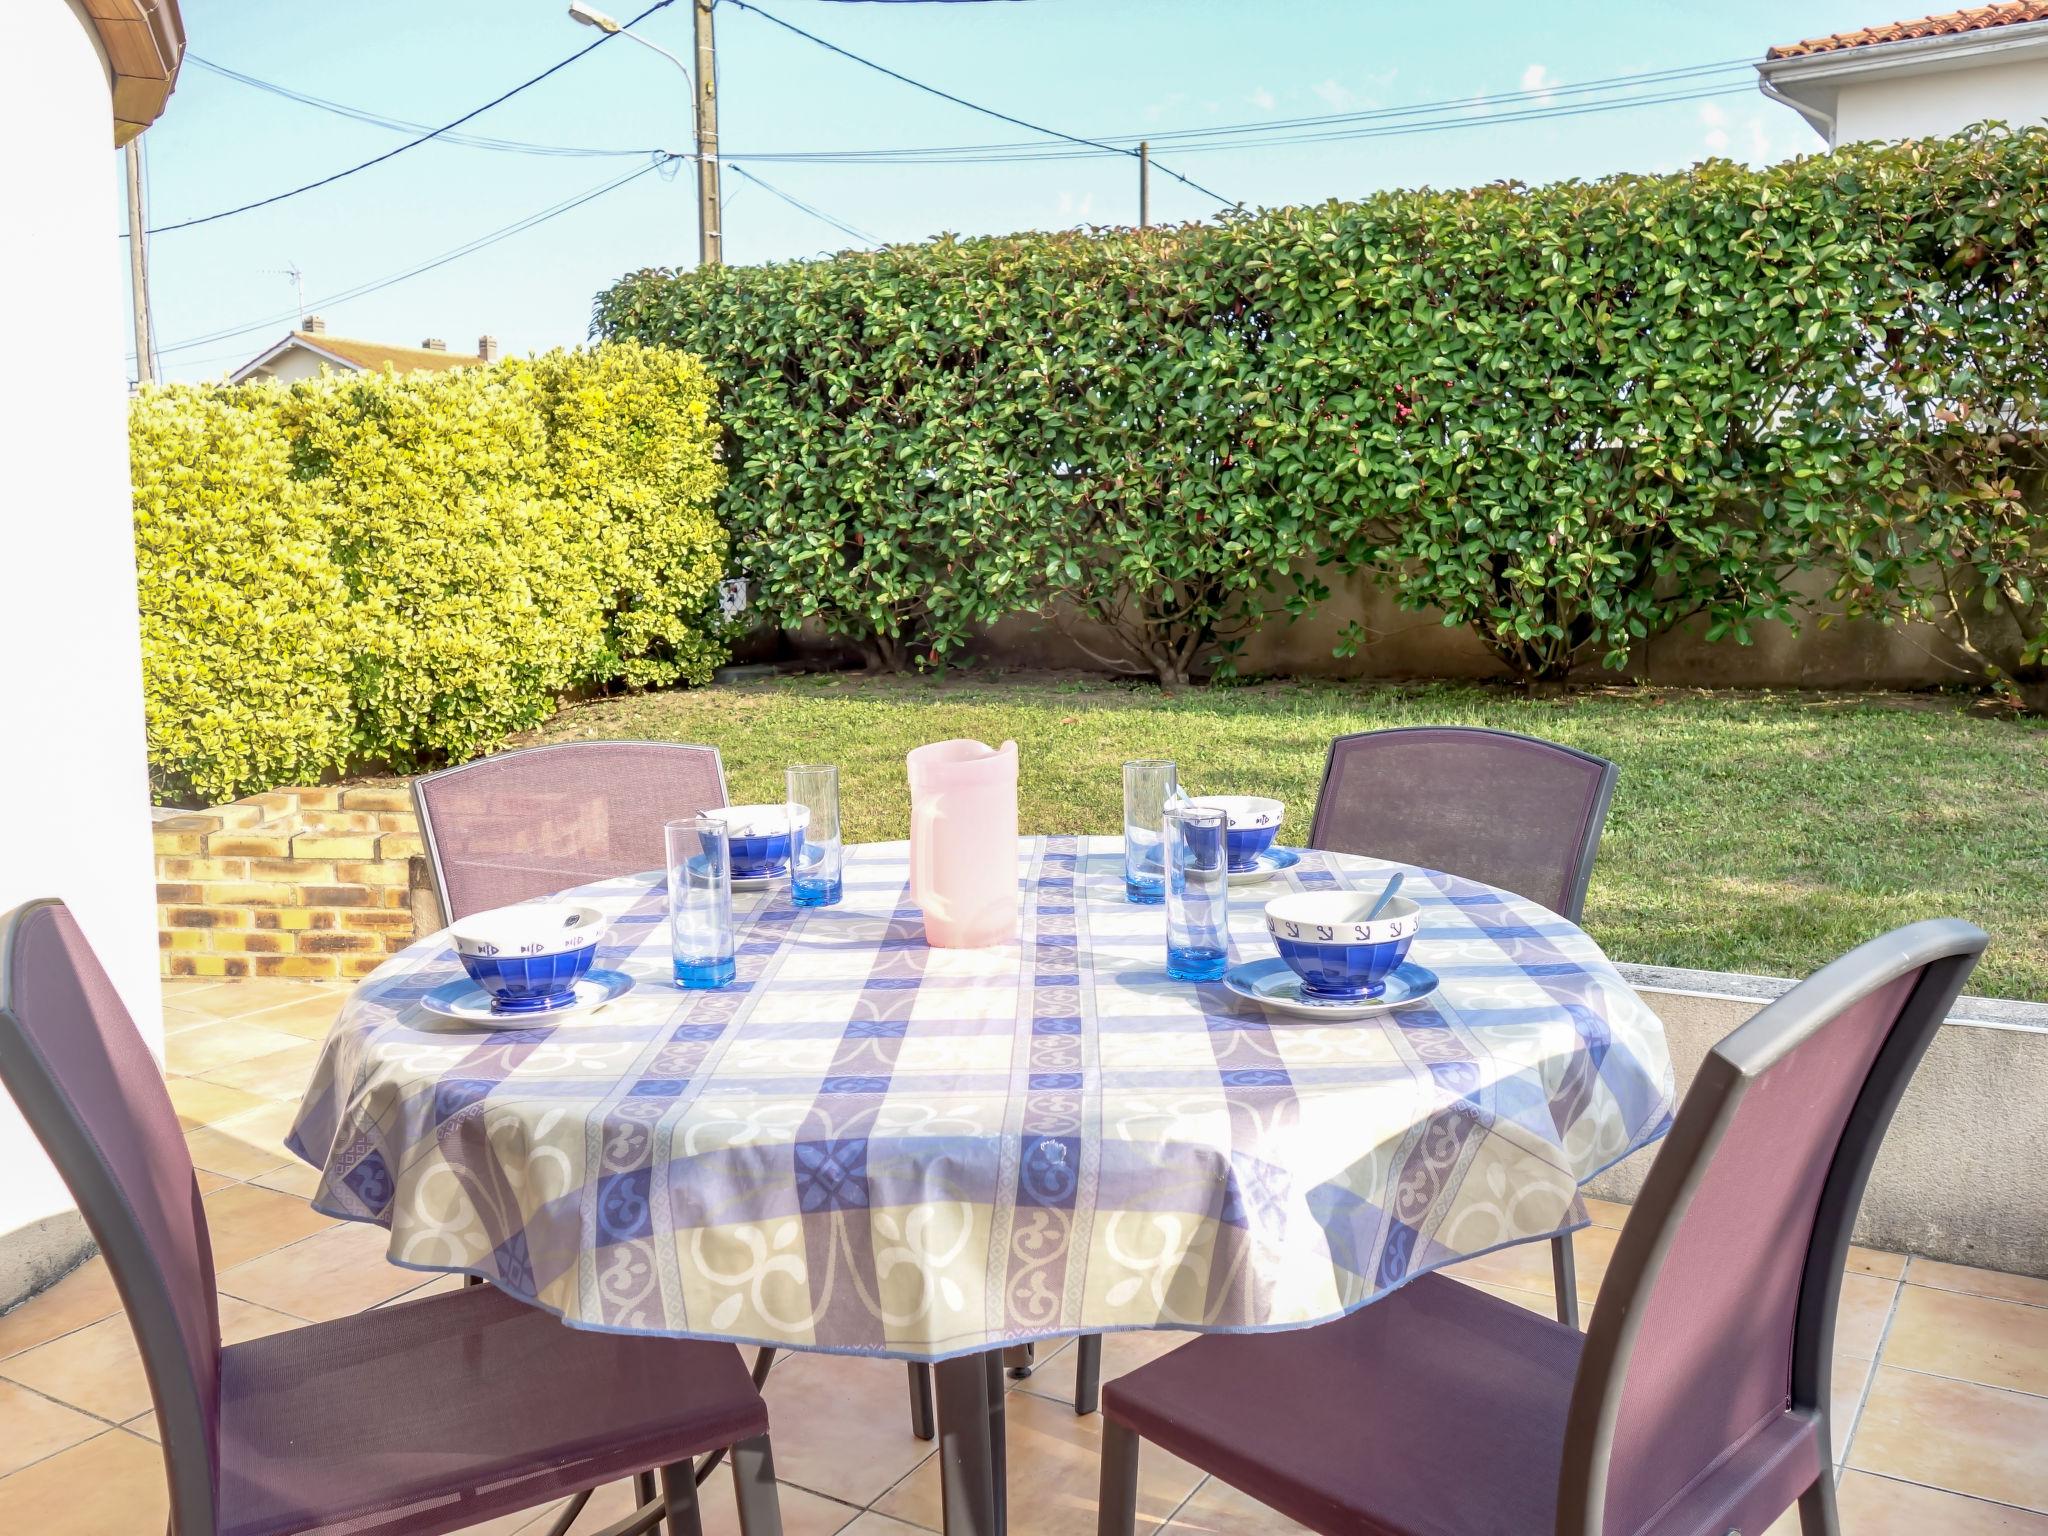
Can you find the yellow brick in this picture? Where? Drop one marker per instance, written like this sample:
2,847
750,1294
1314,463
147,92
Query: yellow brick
293,871
375,797
325,798
202,869
400,845
197,821
391,873
251,893
273,802
340,896
179,893
244,845
377,921
238,941
239,813
182,938
338,943
205,917
395,896
171,845
360,965
292,919
208,965
322,966
324,845
398,821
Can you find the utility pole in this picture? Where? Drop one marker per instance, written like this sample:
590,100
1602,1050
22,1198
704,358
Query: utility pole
710,235
1144,185
138,266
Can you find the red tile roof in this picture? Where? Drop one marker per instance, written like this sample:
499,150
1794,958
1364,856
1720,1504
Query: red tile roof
2000,13
373,355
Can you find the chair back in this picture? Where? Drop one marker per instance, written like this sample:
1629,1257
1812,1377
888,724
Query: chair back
94,1096
1512,811
1701,1401
533,822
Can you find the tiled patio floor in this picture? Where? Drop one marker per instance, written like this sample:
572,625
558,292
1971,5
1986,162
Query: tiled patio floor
1941,1378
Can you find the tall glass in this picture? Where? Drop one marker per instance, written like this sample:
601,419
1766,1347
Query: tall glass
1197,892
700,901
1148,786
816,855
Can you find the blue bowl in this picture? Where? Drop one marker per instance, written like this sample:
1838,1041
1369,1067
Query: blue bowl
754,857
531,983
1251,822
1325,941
759,838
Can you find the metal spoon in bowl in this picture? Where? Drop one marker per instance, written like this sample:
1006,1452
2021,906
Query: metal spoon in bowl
1393,886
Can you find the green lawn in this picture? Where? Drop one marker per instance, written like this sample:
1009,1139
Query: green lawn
1750,832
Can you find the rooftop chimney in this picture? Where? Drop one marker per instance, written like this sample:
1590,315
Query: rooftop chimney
313,325
487,348
434,344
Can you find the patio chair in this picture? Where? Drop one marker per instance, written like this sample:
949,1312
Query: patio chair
409,1420
1513,811
530,823
1697,1400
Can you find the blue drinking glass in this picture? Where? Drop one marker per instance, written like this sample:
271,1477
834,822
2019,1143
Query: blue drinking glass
1197,892
816,855
1148,786
700,902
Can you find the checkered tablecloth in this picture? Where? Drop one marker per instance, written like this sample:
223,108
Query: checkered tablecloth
872,1146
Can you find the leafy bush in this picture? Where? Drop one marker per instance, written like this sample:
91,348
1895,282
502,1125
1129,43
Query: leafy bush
1569,417
403,569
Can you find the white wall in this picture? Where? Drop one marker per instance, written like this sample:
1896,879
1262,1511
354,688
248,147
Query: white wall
1921,106
74,793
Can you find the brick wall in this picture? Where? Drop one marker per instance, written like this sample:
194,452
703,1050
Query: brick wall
292,882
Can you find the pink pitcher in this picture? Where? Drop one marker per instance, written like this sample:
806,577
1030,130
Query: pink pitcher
963,842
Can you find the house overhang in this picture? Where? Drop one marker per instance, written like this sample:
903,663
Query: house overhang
293,343
143,42
1811,84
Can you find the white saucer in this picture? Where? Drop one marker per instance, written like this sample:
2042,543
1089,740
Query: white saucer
758,882
1270,863
463,999
1272,984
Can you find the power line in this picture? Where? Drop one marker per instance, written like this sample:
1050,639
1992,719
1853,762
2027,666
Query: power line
817,213
278,197
469,248
961,101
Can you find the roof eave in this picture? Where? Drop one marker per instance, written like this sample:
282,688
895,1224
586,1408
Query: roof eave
293,340
1911,55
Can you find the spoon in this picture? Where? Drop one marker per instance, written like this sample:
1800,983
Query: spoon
1386,896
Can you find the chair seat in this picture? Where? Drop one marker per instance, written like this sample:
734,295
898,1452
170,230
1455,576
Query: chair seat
1435,1411
398,1420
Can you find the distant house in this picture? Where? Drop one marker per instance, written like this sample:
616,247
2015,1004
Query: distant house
305,352
1918,79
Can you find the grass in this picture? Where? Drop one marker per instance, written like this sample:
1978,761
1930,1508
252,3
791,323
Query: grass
1750,832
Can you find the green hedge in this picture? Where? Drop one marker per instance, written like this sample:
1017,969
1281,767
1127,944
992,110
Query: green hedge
1569,417
403,569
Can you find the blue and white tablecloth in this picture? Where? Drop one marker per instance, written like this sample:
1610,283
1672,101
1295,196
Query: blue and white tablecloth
869,1145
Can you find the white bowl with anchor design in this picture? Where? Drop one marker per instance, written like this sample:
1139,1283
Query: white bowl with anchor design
1326,940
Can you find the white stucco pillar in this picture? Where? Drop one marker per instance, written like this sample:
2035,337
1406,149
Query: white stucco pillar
74,818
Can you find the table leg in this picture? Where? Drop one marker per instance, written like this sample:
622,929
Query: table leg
970,1443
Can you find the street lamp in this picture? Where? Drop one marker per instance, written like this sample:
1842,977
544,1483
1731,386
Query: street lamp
709,241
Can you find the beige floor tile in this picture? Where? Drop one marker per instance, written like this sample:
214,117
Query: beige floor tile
1055,1462
881,1525
1948,1333
143,1424
336,1273
309,1017
1956,1435
1851,1381
440,1285
99,1370
1526,1266
199,1102
1880,1506
242,1146
1875,1261
803,1513
239,999
281,1074
1866,1308
1217,1509
1606,1213
84,1296
841,1425
222,1043
1978,1282
247,1222
1543,1303
294,1178
32,1427
1121,1352
110,1485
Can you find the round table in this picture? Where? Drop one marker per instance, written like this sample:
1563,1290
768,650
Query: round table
871,1146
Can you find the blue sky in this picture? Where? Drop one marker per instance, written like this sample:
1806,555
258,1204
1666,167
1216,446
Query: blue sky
1088,67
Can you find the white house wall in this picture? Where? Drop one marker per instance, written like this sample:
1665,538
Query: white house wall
72,775
1923,106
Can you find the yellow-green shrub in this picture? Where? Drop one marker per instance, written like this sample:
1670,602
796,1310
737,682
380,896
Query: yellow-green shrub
404,569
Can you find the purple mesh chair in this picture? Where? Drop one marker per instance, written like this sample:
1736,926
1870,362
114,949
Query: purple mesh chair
410,1420
1512,811
1697,1402
530,823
